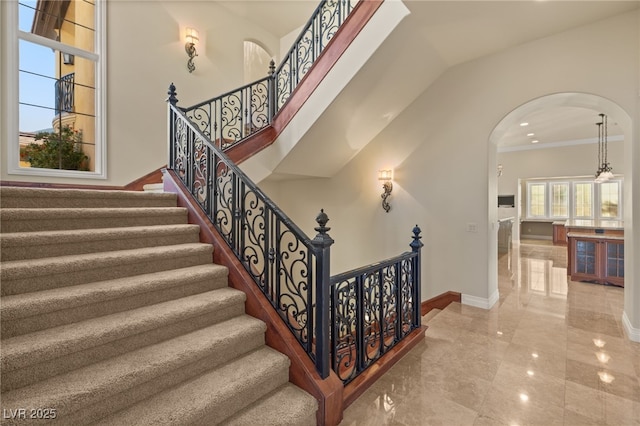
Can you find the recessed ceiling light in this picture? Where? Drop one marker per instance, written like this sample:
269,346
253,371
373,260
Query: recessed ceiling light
530,134
535,141
524,124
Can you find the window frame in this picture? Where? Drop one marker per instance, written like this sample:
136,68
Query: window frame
546,203
12,35
568,186
596,196
592,186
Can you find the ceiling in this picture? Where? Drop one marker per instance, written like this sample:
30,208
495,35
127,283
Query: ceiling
460,31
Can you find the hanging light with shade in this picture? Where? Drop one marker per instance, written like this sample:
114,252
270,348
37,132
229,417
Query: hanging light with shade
603,173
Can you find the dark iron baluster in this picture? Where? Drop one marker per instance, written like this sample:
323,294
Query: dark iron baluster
416,245
322,243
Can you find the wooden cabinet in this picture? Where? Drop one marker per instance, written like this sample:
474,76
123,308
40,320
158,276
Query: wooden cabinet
559,234
596,258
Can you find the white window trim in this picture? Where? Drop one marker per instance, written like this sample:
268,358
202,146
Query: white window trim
11,74
595,194
550,189
528,201
620,201
592,214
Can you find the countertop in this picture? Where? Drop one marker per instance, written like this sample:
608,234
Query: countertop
593,224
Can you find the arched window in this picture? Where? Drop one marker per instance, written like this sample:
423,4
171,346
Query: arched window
256,62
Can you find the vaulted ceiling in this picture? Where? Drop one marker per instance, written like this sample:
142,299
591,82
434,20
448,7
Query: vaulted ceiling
460,31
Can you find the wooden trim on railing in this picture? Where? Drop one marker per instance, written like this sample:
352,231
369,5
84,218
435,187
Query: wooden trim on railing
440,302
361,383
302,372
348,31
137,185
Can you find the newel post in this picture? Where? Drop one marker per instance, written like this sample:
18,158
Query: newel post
272,95
322,244
172,100
416,245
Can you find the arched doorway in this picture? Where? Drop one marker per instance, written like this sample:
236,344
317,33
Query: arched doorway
593,105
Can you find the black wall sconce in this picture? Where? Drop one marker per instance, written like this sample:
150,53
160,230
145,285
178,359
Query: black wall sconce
190,47
385,176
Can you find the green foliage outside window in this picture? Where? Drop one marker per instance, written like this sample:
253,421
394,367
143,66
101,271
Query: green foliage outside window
58,150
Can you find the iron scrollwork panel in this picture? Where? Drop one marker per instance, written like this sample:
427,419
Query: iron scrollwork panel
295,296
203,116
388,306
200,173
223,213
254,253
343,331
257,115
407,296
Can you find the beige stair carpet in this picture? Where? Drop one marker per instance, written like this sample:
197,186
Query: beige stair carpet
112,312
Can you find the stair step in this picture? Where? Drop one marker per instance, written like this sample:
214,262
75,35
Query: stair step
36,245
25,276
16,197
28,358
29,312
138,374
430,315
212,397
153,187
288,405
52,219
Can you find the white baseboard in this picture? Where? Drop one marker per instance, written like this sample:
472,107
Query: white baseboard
480,302
632,333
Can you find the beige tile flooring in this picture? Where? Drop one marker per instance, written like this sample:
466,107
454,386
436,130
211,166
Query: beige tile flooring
550,352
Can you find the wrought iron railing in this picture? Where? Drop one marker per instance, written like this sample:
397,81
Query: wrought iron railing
64,87
232,117
345,322
372,309
319,30
291,269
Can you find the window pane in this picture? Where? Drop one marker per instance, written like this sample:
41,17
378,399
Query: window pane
560,200
537,199
36,80
583,199
609,199
56,109
69,22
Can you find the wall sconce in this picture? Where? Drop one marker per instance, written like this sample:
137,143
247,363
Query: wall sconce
67,58
499,170
190,47
385,176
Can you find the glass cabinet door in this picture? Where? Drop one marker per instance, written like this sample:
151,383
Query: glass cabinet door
585,257
615,259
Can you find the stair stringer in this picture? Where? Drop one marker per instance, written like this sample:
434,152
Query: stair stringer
302,372
297,123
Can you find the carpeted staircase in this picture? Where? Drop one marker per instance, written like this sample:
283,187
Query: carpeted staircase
112,312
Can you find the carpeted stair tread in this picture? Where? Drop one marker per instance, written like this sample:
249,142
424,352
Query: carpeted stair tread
37,303
31,245
212,397
287,406
23,276
46,219
72,391
45,345
11,197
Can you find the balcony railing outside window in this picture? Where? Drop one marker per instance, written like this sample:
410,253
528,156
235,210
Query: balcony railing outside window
65,88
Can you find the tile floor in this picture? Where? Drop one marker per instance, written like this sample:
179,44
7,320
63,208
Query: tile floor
550,352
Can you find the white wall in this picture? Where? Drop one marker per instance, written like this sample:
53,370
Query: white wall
440,151
145,53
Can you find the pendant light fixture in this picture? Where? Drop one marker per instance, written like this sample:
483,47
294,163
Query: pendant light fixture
603,173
